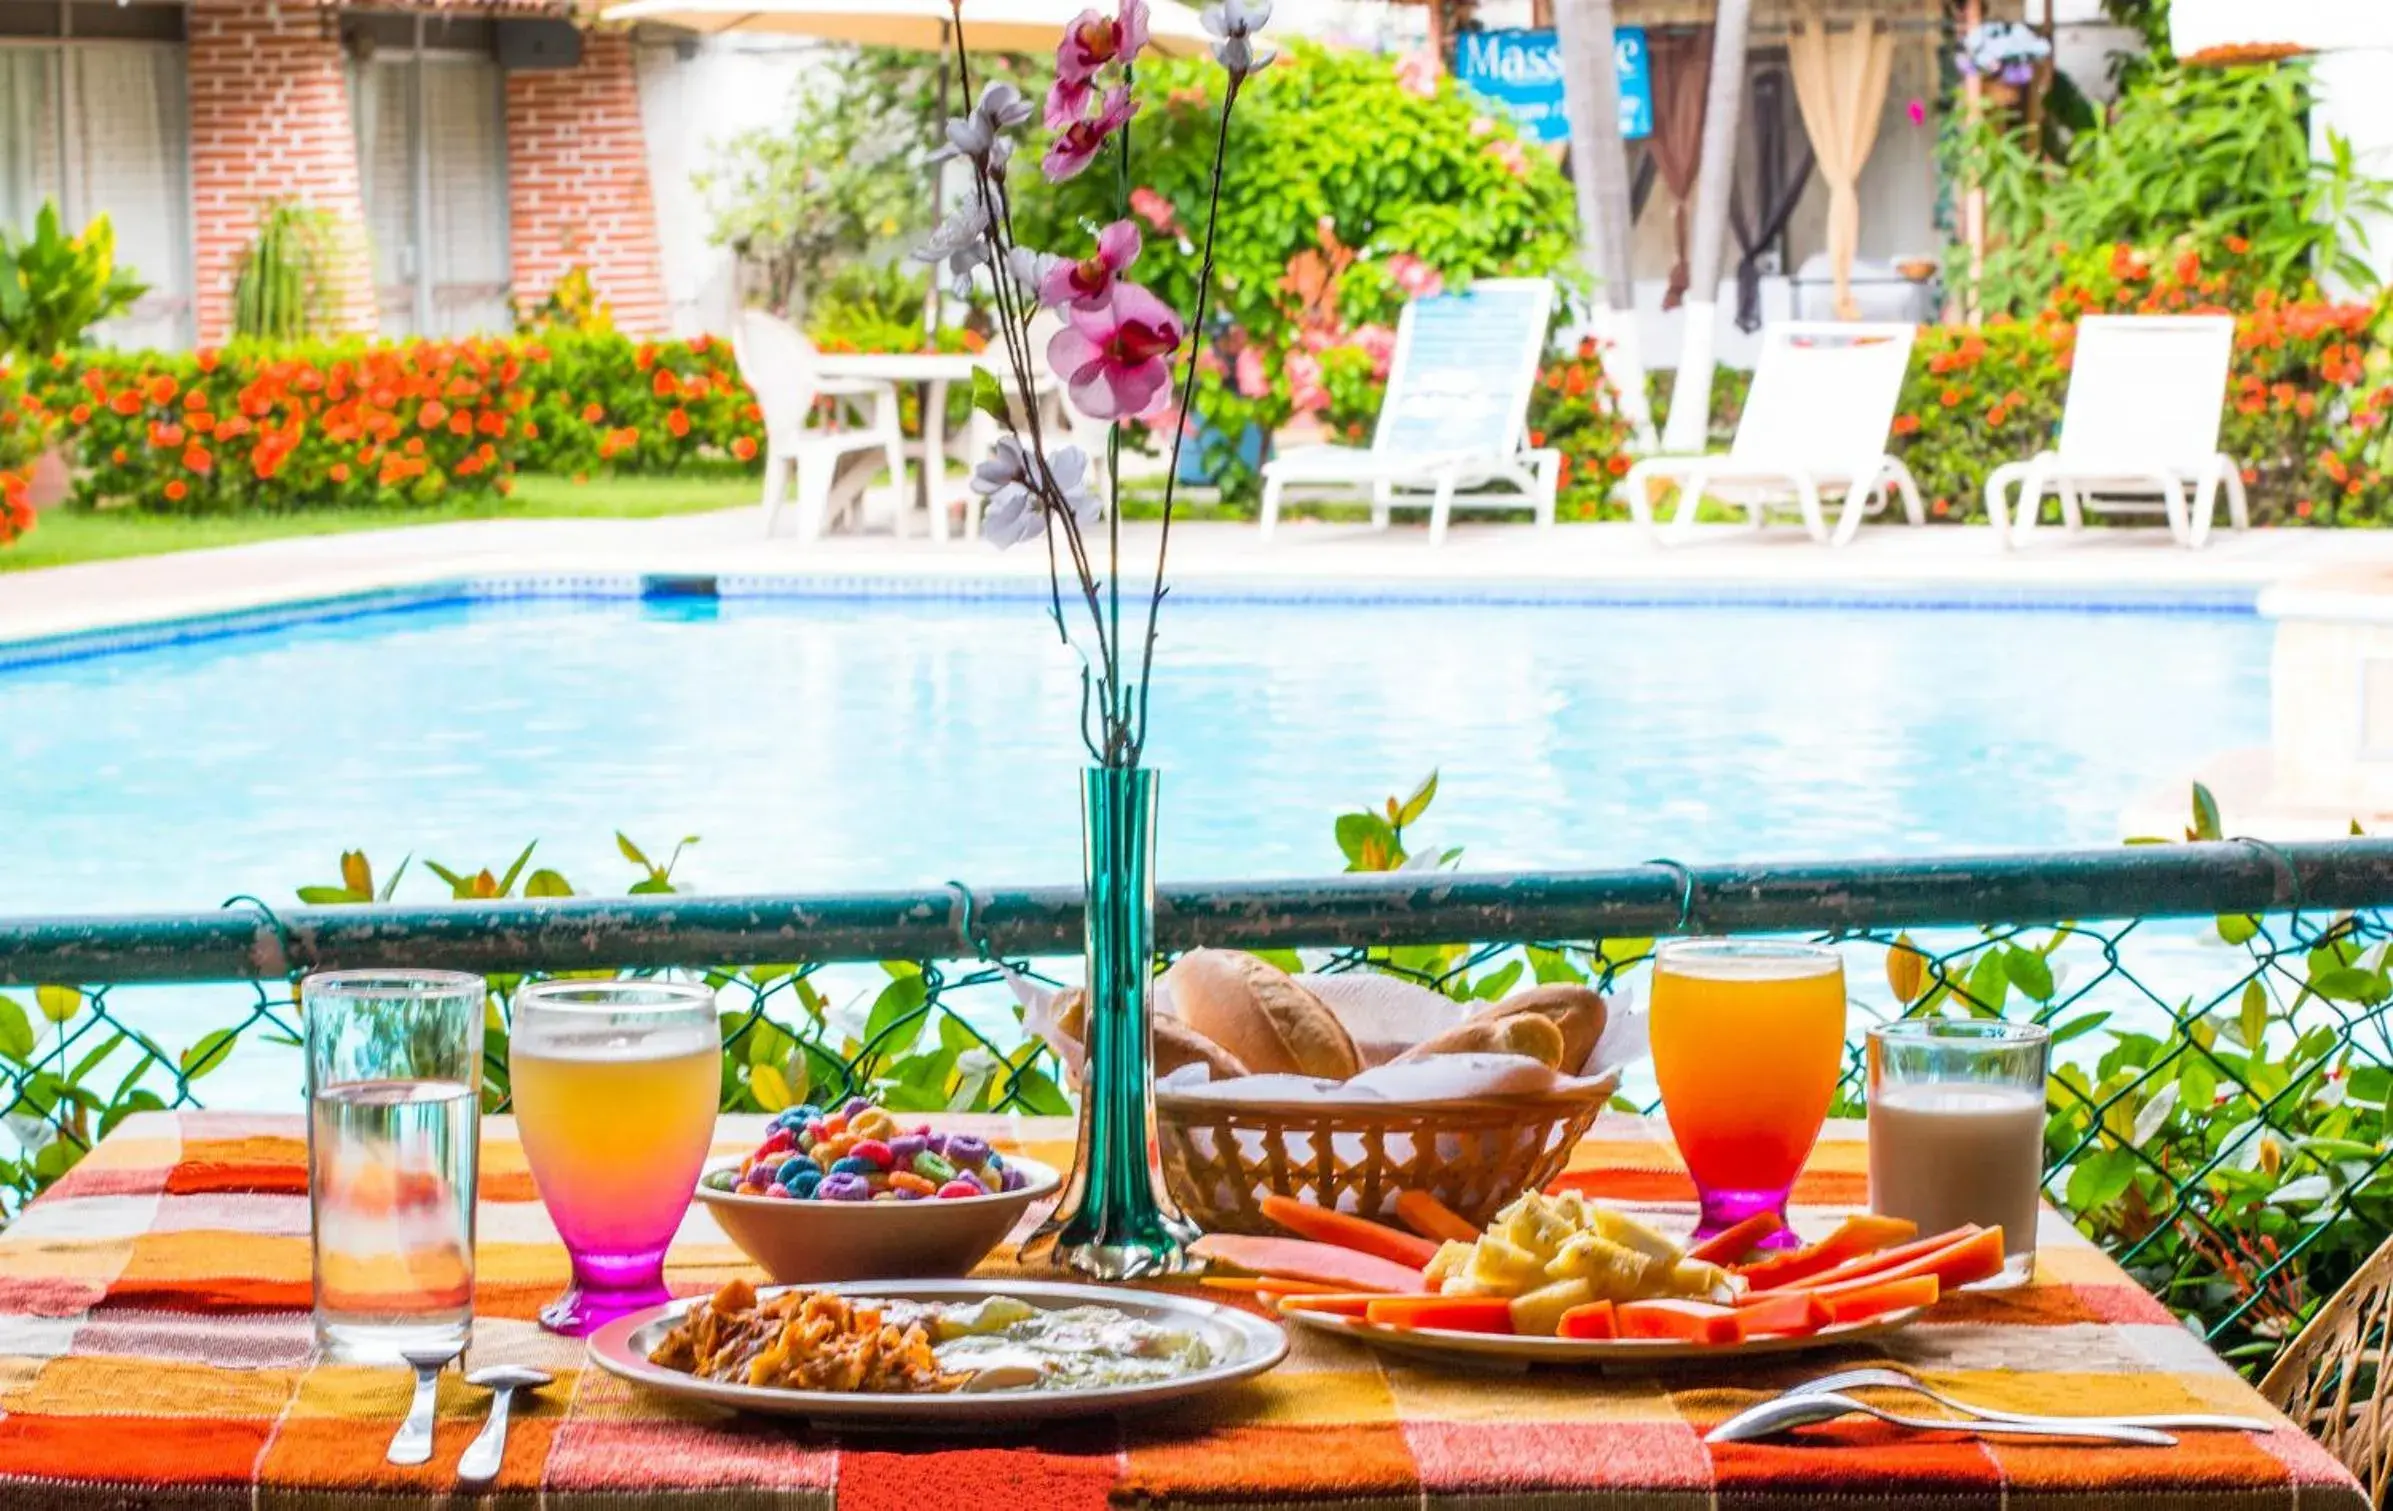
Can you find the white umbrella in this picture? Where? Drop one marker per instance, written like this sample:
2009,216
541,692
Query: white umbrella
1030,26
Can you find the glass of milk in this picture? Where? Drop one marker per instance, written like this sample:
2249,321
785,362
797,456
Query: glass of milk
1956,1129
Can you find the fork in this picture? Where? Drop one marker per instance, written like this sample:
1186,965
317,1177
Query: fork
1895,1379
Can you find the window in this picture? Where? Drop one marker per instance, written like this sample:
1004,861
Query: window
93,115
428,100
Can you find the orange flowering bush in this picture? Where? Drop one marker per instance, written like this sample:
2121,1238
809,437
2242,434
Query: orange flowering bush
601,401
268,428
25,429
1576,410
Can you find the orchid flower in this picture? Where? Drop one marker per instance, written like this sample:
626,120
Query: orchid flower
1234,23
976,135
1116,358
1017,508
1077,145
1092,41
961,242
1067,101
1089,284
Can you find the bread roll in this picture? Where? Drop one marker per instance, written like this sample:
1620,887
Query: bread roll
1176,1045
1259,1013
1578,1011
1526,1034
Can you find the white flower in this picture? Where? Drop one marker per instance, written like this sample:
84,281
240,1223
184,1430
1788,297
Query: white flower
1016,510
1030,267
1235,22
961,242
977,134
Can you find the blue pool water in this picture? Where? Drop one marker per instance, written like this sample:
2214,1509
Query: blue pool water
881,742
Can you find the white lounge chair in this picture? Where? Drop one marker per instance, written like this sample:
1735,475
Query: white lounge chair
780,367
1455,417
1813,427
2140,426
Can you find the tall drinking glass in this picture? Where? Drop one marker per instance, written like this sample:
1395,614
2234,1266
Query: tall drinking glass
615,1086
394,1071
1748,1039
1957,1129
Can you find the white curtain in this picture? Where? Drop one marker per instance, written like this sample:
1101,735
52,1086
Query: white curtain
465,138
28,132
381,97
130,162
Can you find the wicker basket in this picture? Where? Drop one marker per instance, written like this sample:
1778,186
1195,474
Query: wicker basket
1222,1157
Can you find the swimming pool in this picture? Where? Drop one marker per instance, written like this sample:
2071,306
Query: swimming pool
823,740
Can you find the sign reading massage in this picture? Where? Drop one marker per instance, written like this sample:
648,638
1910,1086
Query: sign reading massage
1522,71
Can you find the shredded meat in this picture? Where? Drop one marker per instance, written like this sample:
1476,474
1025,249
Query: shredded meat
800,1340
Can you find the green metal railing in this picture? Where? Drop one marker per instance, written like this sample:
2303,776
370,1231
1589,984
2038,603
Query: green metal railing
2219,1121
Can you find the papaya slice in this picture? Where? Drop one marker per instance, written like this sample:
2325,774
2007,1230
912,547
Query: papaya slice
1302,1259
1347,1231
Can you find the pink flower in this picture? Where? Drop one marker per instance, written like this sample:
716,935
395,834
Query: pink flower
1089,284
1253,381
1304,383
1379,344
1077,145
1092,41
1508,153
1917,111
1417,71
1116,358
1067,101
1481,125
1154,209
1417,278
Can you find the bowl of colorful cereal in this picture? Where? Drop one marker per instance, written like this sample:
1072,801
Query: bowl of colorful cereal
856,1192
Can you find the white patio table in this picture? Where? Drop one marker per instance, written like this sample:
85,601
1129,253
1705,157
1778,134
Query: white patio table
934,371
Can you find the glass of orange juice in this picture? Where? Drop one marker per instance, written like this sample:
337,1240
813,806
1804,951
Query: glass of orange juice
1748,1039
615,1087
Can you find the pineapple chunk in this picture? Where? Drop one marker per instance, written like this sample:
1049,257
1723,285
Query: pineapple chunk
1499,1268
1538,1226
1630,1233
1538,1314
1451,1258
1614,1272
1694,1277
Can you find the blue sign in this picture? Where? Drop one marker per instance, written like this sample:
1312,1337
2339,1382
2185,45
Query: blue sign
1522,72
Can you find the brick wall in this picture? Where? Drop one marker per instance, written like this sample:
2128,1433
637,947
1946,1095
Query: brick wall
269,119
577,184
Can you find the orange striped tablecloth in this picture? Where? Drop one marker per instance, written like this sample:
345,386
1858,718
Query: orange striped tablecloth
155,1349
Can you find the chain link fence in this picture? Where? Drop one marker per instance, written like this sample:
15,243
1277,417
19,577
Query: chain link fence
2217,1114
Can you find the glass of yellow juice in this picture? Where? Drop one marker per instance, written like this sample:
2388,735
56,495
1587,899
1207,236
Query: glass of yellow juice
1748,1039
615,1088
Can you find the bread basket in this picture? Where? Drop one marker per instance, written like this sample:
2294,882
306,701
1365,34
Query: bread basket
1222,1156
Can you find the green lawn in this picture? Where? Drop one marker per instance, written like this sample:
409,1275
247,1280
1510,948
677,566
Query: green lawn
71,535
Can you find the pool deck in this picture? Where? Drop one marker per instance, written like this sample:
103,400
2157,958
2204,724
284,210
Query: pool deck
1959,561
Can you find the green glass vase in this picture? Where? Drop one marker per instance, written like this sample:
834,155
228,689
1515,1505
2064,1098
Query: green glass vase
1116,1220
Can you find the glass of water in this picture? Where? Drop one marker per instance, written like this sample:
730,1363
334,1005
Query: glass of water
394,1072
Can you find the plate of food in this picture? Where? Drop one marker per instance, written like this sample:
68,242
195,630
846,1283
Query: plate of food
1563,1279
947,1353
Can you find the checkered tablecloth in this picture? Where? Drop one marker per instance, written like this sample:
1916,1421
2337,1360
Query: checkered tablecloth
155,1350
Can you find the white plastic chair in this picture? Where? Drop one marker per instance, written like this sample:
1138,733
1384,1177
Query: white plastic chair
1455,418
781,367
2141,420
1814,426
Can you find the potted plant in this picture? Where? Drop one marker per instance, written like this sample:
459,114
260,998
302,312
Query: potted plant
53,289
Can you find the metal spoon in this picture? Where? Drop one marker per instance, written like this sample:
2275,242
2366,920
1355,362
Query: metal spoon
1790,1411
480,1465
413,1442
1895,1379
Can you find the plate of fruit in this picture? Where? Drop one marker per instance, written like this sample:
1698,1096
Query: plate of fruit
1564,1279
857,1192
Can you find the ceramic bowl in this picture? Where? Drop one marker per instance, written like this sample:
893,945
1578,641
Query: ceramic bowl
804,1242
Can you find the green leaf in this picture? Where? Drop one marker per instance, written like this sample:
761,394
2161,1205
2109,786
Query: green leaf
2251,1015
546,883
771,1091
2238,928
2350,984
2206,815
649,886
631,852
1367,841
1037,1094
2100,1179
2030,972
210,1052
1286,960
1492,988
1419,802
16,1031
329,896
2079,1027
90,1061
58,1003
390,888
988,396
1989,984
507,882
901,999
57,1157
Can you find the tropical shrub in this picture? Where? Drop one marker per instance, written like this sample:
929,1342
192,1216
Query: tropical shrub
54,287
25,430
1355,185
271,428
601,401
1576,411
283,287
